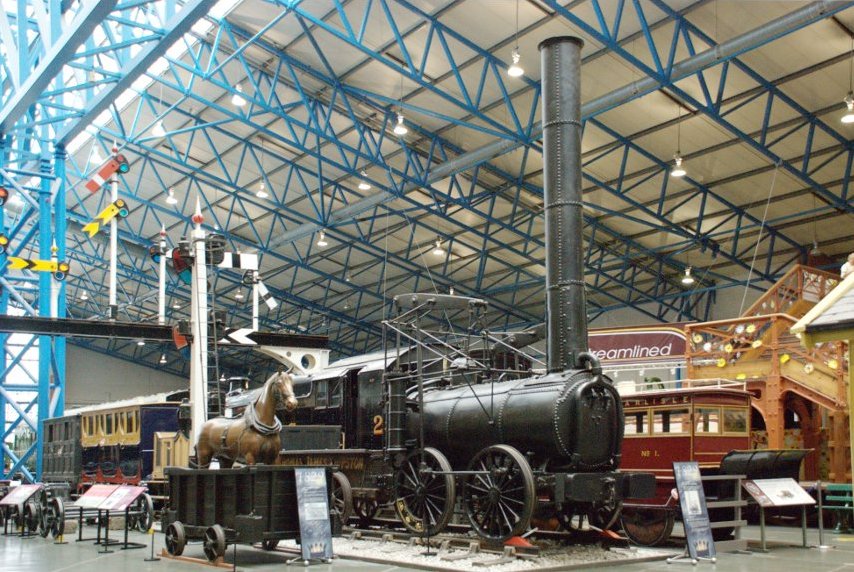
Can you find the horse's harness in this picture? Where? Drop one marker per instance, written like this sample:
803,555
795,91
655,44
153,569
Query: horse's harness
251,421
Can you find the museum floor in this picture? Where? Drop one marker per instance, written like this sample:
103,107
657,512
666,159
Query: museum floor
38,555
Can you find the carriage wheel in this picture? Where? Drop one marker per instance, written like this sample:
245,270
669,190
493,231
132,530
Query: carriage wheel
269,544
176,538
647,526
342,497
44,521
500,501
56,517
32,516
603,516
144,508
214,544
366,510
424,496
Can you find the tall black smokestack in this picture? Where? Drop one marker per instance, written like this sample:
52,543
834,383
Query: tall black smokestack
566,308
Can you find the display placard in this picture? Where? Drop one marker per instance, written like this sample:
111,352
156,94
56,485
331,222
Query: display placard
20,494
122,498
313,503
778,492
95,496
695,515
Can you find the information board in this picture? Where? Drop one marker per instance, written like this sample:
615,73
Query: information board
122,498
313,503
778,492
20,494
95,496
695,515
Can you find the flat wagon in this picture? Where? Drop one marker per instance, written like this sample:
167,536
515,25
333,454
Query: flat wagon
246,505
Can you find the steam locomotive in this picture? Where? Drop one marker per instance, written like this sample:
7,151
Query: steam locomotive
429,415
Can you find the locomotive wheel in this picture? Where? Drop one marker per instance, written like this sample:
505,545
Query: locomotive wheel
44,522
424,497
342,497
499,502
603,516
214,544
647,527
366,510
269,544
31,516
56,517
176,538
144,508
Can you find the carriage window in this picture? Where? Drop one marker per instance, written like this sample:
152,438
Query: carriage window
335,393
133,422
708,420
735,420
637,423
109,424
671,421
322,391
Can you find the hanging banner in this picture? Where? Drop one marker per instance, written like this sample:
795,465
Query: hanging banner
646,344
695,515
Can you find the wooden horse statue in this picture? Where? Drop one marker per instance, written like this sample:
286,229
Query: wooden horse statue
253,437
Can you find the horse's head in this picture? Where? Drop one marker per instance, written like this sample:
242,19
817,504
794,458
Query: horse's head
283,391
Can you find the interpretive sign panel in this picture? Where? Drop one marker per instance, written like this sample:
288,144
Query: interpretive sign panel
122,498
695,515
20,495
95,496
778,492
313,502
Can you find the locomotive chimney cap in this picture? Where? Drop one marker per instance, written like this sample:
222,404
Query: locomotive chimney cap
559,39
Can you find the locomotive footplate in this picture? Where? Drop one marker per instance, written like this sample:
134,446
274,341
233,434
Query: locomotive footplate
602,487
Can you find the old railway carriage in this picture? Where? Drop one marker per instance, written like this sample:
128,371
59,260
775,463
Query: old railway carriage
108,443
691,420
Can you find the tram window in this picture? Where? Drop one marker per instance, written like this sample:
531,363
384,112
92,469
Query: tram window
671,421
322,392
637,423
735,420
335,393
708,420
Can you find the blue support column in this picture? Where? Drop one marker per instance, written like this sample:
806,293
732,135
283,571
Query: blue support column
4,308
59,213
45,278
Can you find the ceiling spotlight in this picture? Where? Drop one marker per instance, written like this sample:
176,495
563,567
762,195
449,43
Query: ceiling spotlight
451,290
688,279
262,193
849,114
158,130
438,250
364,185
140,343
515,70
170,197
176,305
321,241
162,359
238,99
400,128
677,170
84,296
239,295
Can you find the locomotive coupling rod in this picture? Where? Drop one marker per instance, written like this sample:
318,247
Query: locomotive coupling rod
432,472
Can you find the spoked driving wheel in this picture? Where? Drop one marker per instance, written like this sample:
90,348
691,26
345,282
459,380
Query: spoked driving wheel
647,526
176,538
424,500
32,517
144,508
56,517
499,500
214,543
342,497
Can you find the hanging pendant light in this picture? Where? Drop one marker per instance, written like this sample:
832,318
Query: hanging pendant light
238,99
678,170
364,185
170,197
239,295
687,279
437,249
321,241
84,296
849,99
162,359
158,130
400,128
515,70
262,192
